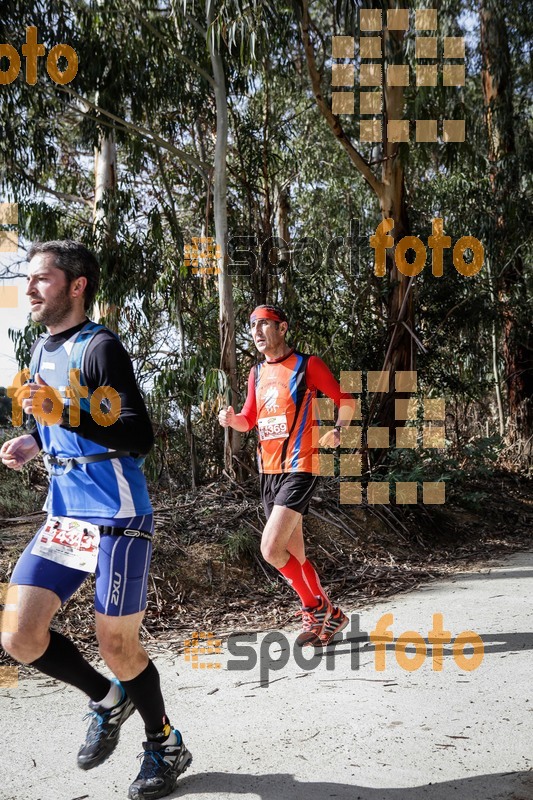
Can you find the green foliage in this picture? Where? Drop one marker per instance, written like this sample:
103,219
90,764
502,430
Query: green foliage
18,493
463,469
5,409
240,545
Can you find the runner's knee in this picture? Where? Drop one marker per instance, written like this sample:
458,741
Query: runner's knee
273,553
25,645
117,649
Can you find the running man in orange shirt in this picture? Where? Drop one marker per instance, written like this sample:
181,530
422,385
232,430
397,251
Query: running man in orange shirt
281,390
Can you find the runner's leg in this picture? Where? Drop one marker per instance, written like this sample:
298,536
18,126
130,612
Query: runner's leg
120,600
296,547
337,620
49,651
165,755
314,581
121,649
282,524
36,608
277,533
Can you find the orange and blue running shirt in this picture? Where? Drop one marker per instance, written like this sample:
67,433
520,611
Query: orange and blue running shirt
279,402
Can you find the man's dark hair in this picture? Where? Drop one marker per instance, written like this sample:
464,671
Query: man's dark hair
75,260
277,310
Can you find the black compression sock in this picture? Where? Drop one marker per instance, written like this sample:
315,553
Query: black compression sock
145,693
63,661
163,733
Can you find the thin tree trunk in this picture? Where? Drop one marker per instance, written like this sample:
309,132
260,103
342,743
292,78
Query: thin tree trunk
284,253
189,431
268,283
228,352
401,354
494,344
105,184
178,316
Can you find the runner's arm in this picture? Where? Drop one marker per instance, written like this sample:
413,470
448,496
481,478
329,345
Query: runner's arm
36,435
108,364
248,414
320,377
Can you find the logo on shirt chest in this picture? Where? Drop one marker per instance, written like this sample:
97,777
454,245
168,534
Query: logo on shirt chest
270,399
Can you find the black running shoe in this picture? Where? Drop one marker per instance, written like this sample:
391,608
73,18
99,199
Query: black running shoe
102,736
160,768
335,624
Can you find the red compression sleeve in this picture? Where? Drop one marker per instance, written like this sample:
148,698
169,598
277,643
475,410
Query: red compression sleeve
249,409
320,377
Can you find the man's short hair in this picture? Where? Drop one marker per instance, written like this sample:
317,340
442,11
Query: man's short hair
75,260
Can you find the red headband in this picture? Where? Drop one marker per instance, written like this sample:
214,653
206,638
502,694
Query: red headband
265,313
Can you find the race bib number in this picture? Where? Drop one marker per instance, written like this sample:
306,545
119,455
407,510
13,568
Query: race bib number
273,428
70,542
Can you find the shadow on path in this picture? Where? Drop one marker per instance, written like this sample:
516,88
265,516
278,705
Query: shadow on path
361,650
500,786
496,574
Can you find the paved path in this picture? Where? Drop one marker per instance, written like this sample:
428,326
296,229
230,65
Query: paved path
341,730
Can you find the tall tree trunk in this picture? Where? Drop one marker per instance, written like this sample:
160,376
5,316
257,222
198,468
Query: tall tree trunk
505,173
105,180
228,351
189,430
400,353
267,268
284,254
105,184
494,346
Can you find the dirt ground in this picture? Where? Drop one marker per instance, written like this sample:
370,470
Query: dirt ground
207,572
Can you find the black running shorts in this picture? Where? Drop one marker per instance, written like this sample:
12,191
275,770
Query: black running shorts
290,489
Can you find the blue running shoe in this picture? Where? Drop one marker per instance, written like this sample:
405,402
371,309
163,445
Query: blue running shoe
160,768
104,729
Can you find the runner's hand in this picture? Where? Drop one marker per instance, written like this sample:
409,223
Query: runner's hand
330,439
27,403
16,452
226,417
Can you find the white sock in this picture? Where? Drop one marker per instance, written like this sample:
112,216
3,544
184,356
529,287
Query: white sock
172,739
113,697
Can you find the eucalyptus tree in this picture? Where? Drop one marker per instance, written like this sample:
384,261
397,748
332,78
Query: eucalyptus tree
390,187
508,164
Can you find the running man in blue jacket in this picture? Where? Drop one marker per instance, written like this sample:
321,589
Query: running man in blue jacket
100,517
